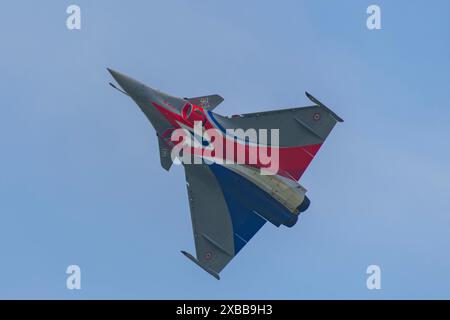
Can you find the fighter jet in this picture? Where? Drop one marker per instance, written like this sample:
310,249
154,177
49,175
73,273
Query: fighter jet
232,194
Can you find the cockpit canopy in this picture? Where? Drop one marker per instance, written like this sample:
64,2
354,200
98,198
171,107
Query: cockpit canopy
192,113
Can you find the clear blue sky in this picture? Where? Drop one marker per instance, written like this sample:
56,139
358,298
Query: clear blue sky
81,183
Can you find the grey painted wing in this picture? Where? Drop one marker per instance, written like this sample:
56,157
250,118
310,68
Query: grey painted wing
211,222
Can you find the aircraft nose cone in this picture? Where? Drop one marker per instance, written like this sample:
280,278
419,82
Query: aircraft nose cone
127,83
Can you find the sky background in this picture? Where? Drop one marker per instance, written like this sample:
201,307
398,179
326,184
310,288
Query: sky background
81,183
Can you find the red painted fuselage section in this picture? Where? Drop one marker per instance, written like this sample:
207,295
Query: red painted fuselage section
290,162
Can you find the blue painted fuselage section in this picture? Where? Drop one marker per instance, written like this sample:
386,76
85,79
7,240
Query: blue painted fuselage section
249,206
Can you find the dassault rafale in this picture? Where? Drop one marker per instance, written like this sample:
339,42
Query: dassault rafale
237,180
